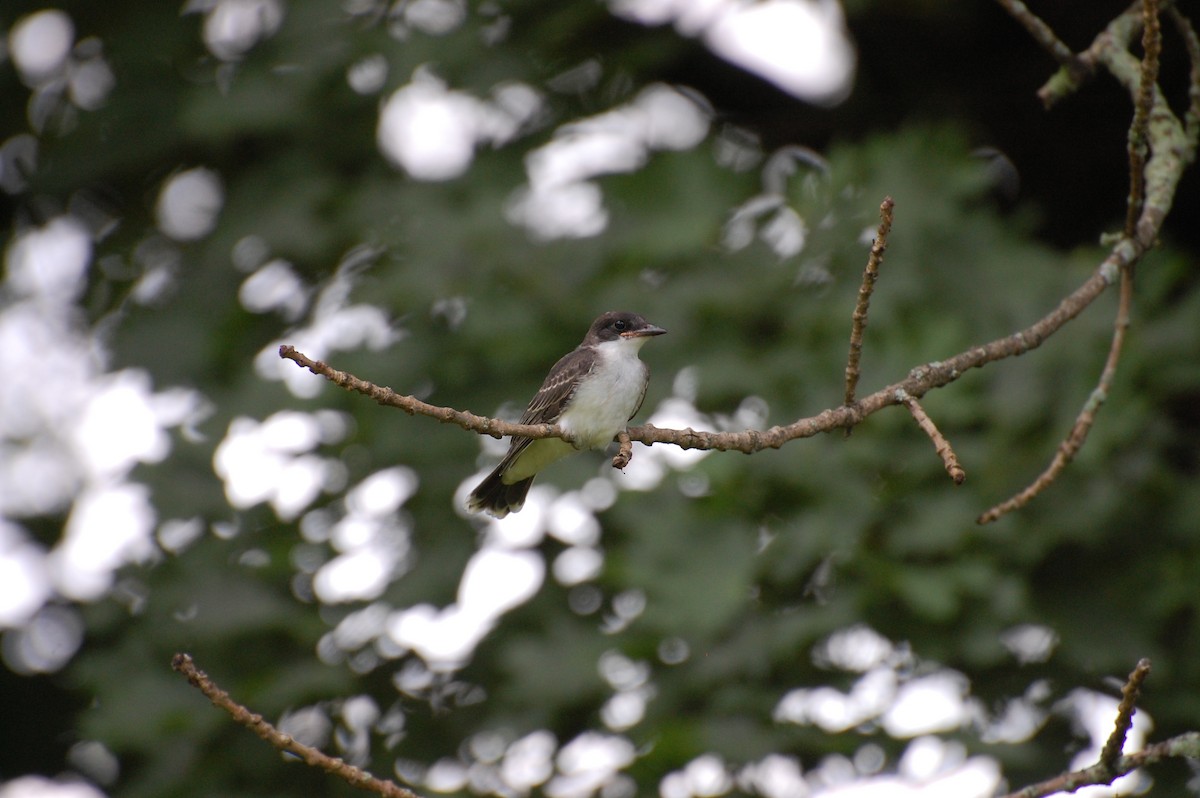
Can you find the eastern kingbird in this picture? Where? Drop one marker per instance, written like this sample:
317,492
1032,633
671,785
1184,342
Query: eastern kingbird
591,393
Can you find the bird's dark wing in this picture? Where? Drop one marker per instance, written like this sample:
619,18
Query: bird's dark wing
550,400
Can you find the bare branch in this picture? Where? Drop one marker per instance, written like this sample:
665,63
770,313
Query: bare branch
414,406
1041,33
1192,44
859,319
1115,38
920,381
1171,146
1151,193
1112,765
1129,696
355,777
1185,746
1138,133
949,459
1087,416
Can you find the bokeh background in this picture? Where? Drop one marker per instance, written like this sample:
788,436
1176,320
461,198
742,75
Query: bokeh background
439,196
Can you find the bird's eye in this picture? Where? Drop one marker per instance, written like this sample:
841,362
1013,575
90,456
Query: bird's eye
620,324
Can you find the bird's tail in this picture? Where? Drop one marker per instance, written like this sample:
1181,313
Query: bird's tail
495,498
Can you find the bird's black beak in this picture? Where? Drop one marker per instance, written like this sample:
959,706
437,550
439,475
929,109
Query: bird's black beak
643,332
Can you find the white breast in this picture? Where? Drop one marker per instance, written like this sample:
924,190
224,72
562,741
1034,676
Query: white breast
604,402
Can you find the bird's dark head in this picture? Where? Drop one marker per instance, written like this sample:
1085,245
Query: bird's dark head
617,325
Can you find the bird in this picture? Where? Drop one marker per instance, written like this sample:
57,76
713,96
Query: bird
591,393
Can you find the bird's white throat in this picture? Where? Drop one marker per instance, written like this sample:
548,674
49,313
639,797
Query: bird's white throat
606,399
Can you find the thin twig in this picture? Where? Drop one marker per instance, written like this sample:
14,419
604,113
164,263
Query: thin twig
355,777
940,444
1040,31
1172,147
1087,416
414,406
1138,132
1116,37
920,381
1185,746
1112,765
1145,100
1192,44
1129,696
858,321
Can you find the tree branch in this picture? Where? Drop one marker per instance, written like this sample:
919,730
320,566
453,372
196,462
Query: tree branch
1112,765
1116,37
858,321
414,406
949,459
1151,191
1129,696
355,777
1171,146
1138,134
1044,36
1185,746
1087,416
920,381
1191,42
